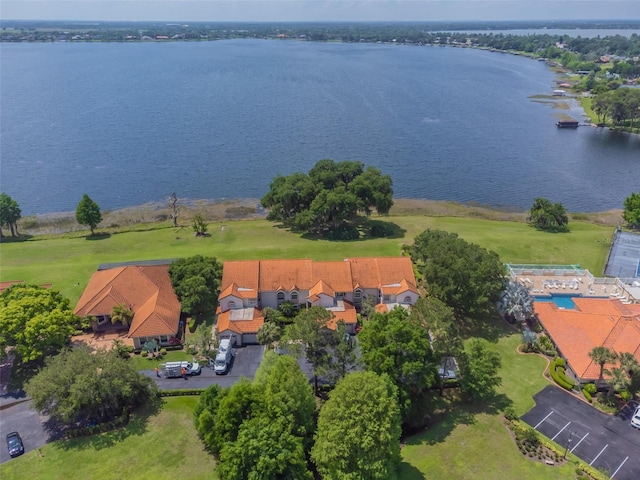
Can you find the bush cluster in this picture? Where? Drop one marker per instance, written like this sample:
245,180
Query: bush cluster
180,392
557,373
588,391
545,346
531,445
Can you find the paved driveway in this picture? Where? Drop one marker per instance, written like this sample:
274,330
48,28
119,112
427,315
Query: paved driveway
245,364
20,418
603,441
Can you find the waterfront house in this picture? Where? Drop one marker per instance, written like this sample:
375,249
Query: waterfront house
145,290
341,287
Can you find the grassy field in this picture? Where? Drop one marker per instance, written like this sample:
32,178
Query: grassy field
464,443
155,446
472,442
67,261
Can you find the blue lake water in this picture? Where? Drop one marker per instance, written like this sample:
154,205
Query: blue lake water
131,123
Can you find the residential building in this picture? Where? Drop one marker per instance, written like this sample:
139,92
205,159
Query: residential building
144,289
592,323
340,286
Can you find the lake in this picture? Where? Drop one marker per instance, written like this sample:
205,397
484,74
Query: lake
131,123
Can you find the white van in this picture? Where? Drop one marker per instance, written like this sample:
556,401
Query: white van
174,369
222,363
225,345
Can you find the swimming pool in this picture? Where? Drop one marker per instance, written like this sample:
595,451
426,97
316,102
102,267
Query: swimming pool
562,301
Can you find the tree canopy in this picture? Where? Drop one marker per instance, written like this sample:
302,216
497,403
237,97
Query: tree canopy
196,281
88,213
548,216
35,320
10,213
358,433
631,212
329,198
479,370
396,345
466,277
260,429
80,384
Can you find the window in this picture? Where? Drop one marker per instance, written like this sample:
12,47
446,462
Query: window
407,299
357,294
340,294
231,304
387,298
294,296
281,296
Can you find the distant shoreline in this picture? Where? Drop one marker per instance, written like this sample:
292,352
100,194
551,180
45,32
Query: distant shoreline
250,209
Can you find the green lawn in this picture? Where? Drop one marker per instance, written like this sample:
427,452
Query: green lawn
149,363
465,443
162,446
472,442
67,261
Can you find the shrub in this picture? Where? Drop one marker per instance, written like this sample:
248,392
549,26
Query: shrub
163,351
192,324
557,373
626,395
510,413
180,392
144,353
587,395
545,346
591,388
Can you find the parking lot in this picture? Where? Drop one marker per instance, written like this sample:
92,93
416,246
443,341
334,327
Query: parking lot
245,364
603,441
19,417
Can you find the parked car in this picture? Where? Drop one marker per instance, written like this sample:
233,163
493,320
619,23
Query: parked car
14,444
222,362
635,419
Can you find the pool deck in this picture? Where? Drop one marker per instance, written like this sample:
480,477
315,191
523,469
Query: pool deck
578,285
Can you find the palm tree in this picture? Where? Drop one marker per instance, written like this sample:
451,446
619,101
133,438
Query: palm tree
602,355
122,314
268,334
619,380
629,362
516,302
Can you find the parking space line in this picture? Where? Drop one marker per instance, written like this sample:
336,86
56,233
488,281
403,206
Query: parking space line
614,473
542,421
605,447
576,446
561,430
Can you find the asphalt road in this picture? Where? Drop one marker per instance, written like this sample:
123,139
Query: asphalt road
603,441
31,426
245,364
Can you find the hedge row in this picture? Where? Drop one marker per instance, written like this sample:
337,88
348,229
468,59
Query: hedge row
180,392
557,373
120,421
587,395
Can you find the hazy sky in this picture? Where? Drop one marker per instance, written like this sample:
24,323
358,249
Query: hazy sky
318,10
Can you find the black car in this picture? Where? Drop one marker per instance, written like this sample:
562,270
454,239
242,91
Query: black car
14,444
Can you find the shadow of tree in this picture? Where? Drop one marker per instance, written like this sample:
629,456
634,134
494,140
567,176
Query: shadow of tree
18,239
137,426
457,413
406,471
98,236
489,326
363,230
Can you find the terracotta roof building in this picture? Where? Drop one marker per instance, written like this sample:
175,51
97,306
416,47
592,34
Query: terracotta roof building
594,322
145,290
340,287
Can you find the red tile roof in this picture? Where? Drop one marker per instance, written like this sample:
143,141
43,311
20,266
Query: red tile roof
146,290
595,322
340,276
244,320
344,311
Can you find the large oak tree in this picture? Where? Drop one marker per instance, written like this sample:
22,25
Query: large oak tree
329,198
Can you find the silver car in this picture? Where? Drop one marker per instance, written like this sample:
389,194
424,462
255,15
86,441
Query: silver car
635,419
